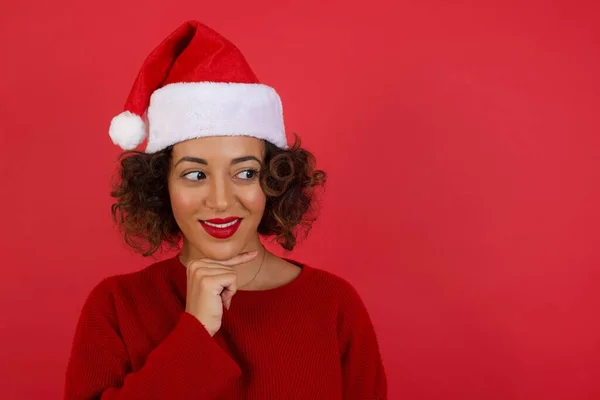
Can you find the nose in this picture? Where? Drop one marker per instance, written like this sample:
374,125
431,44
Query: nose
220,195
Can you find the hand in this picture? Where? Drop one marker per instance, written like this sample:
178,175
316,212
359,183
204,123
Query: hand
210,285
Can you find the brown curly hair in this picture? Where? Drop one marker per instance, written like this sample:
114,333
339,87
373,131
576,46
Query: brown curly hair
143,212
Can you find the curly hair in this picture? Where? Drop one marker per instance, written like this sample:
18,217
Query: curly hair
142,209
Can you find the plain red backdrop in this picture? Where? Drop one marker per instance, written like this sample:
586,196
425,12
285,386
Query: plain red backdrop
462,145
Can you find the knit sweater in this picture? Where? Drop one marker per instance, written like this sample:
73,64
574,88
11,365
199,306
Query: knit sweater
309,339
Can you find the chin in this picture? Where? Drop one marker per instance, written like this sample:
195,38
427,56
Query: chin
221,251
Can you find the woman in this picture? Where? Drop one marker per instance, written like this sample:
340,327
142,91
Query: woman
225,318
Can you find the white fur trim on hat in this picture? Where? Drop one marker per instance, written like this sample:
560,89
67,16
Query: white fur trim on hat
127,130
182,111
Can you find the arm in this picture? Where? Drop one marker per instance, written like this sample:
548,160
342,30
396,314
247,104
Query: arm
363,374
187,364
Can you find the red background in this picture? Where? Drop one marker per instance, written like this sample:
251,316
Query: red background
462,145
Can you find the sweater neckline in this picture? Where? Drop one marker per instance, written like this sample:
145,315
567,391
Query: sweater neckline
181,277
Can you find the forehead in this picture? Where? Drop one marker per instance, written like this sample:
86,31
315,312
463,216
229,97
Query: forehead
220,147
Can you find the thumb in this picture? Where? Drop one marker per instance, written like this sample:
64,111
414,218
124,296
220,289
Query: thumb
226,296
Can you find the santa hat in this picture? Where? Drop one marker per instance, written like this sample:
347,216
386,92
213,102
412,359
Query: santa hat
196,84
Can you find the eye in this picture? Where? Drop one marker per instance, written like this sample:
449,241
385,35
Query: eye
247,174
194,175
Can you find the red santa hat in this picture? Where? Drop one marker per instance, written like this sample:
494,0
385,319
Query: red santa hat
196,84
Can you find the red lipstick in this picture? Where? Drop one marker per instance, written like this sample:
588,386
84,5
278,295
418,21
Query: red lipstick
221,228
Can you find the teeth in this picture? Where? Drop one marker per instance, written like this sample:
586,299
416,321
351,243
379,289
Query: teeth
222,225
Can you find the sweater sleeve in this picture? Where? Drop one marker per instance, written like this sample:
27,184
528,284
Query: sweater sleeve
363,374
187,364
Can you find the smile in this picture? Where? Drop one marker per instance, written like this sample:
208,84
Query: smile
221,228
221,225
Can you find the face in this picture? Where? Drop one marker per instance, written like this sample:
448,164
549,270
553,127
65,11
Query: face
215,194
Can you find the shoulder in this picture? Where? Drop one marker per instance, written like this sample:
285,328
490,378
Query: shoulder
350,312
153,271
115,287
337,289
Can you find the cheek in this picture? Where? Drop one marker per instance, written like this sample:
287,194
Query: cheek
182,201
254,199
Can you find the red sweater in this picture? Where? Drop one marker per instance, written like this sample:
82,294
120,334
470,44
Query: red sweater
310,339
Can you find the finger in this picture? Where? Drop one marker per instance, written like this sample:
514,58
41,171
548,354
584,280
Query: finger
239,259
227,303
229,290
226,296
205,263
201,271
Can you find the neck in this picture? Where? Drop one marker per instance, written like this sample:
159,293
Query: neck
249,274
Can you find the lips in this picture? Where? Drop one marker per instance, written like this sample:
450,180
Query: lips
221,228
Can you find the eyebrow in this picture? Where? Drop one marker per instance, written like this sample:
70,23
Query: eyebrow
204,162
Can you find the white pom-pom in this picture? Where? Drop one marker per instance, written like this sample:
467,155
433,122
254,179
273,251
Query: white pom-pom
127,130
